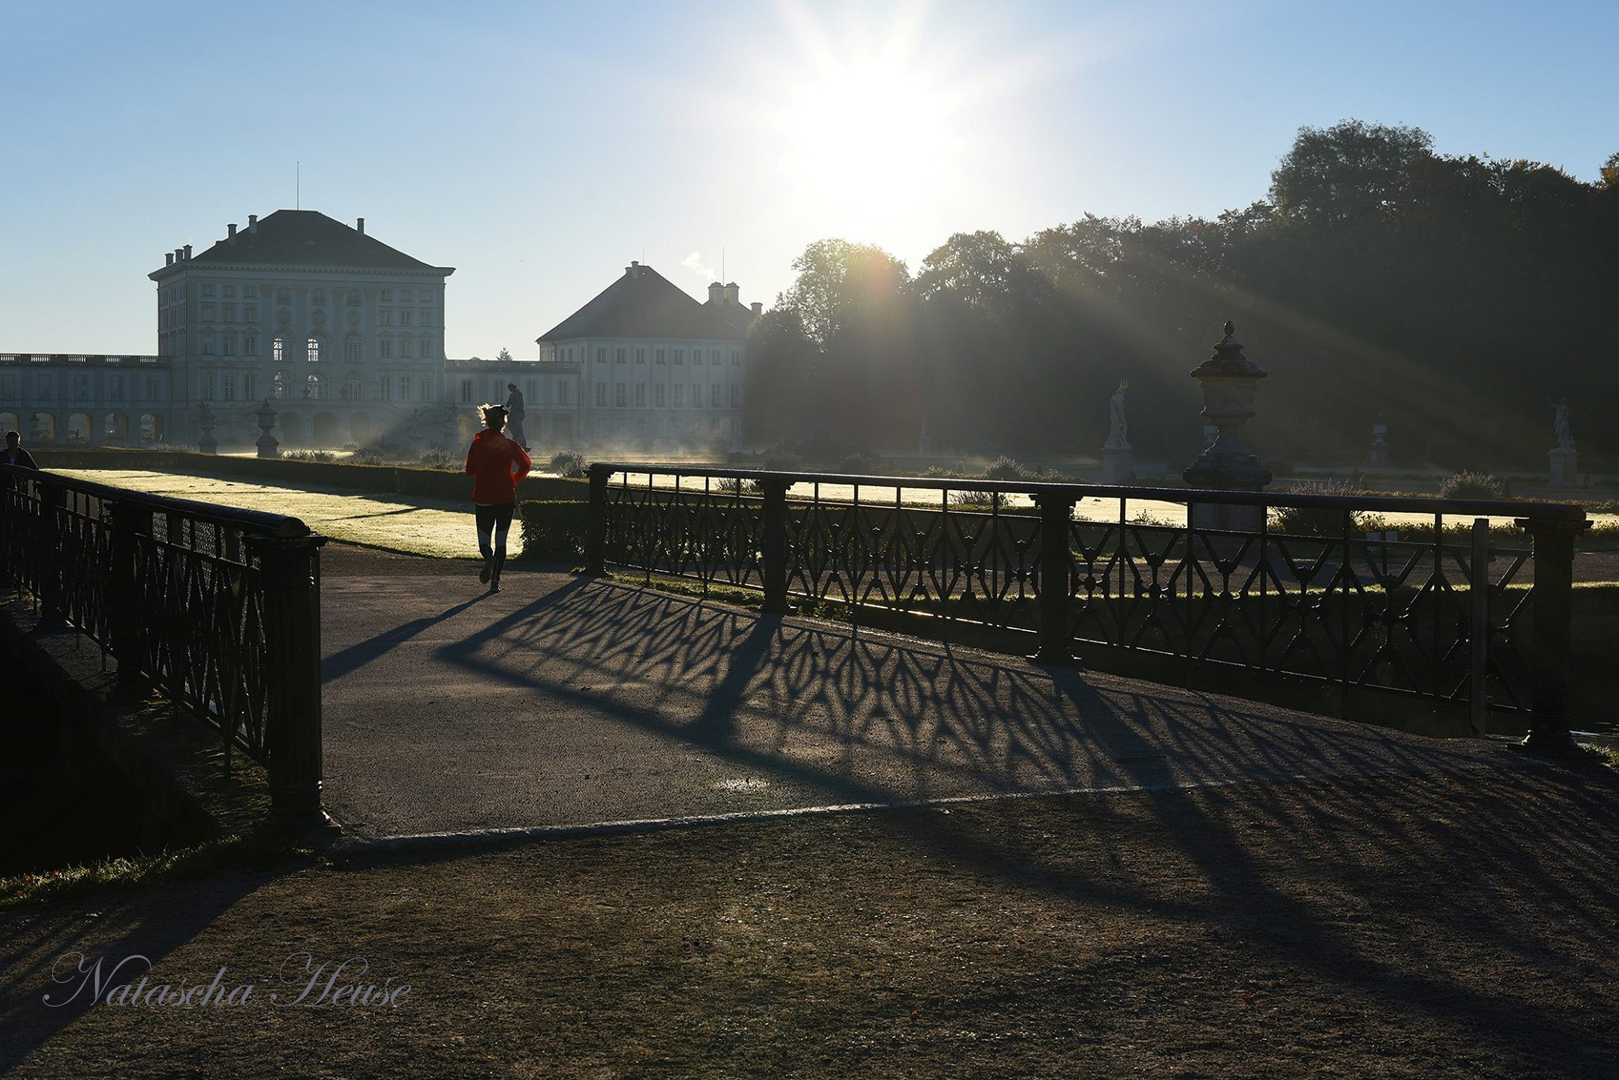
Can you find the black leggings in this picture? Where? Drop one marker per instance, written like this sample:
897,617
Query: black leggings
496,520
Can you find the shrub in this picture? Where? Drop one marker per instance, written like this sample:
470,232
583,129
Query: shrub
730,486
971,498
938,472
782,459
436,457
865,464
309,455
569,463
1321,521
1004,468
367,455
554,531
1472,485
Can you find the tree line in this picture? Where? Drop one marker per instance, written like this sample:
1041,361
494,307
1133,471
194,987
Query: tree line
1377,282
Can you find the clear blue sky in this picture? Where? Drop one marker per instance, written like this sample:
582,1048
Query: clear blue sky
539,148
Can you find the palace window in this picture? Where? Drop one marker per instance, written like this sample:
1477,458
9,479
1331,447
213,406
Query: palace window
696,396
385,387
562,393
351,351
601,356
229,342
425,385
404,296
386,296
353,298
640,395
404,317
466,390
280,386
351,387
207,290
312,350
736,358
317,387
714,357
404,388
714,396
385,347
387,316
680,395
320,297
658,356
601,395
230,292
619,395
680,356
278,351
247,386
229,311
283,295
657,396
205,386
619,356
640,356
251,313
227,386
696,357
250,345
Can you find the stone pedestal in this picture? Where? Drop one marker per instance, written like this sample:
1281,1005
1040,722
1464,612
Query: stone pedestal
1217,518
205,427
267,444
1118,465
1380,452
1565,468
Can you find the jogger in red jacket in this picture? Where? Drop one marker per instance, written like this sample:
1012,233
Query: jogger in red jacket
495,464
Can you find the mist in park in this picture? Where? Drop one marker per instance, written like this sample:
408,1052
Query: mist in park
1055,538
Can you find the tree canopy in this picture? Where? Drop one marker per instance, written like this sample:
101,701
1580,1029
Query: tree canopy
1445,296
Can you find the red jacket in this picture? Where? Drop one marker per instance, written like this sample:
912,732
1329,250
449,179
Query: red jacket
495,464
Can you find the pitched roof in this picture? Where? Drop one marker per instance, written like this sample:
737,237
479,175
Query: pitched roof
645,304
307,238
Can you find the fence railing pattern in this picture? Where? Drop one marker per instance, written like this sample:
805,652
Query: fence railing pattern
215,608
1441,613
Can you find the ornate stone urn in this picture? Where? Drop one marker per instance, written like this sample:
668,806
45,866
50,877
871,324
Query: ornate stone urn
1230,382
267,444
205,424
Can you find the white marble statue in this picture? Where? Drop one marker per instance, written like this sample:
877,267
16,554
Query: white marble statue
514,416
1118,430
1565,441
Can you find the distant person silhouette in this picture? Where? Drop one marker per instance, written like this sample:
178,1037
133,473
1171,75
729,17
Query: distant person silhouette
495,464
514,416
15,454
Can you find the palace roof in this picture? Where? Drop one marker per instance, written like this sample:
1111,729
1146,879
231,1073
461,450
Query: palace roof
644,304
306,238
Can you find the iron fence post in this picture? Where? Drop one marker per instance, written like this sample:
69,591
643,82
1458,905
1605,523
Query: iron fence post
289,570
52,565
596,524
1056,509
125,627
1552,609
773,545
1478,637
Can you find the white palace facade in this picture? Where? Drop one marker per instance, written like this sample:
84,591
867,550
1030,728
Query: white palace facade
343,336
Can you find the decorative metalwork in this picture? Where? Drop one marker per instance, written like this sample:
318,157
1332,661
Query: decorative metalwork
176,591
1360,611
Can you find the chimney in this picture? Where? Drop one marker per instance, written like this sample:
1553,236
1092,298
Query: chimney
179,253
359,226
232,234
716,292
733,295
168,258
252,223
634,269
187,250
758,307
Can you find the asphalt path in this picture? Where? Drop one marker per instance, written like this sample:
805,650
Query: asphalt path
568,701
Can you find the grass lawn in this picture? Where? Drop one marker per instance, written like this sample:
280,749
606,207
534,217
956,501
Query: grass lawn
418,526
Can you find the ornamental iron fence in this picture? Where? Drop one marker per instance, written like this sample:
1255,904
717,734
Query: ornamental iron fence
215,608
1265,583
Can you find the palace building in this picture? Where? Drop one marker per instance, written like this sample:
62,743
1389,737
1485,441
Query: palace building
343,336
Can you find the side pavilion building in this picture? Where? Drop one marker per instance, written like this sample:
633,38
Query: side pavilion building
651,368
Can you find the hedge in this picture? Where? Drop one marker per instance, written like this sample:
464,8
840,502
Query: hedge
554,531
371,479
